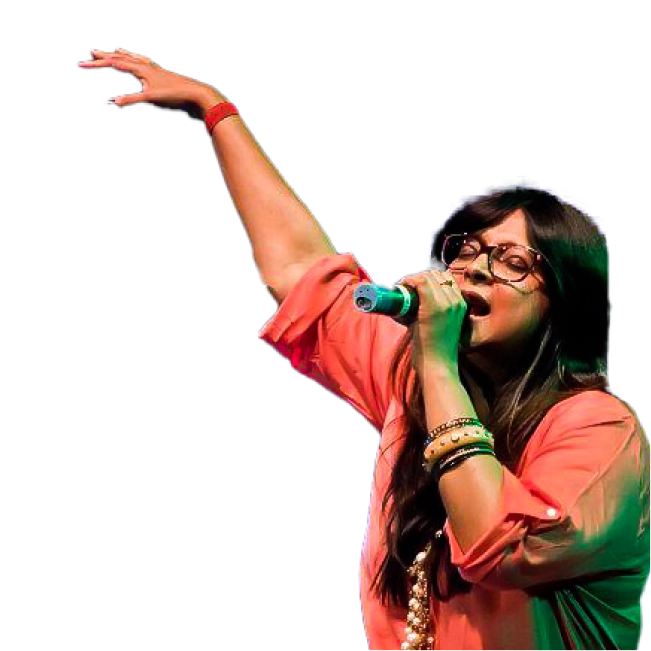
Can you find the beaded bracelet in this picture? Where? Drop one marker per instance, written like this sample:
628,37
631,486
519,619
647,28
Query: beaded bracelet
477,429
452,424
444,445
454,461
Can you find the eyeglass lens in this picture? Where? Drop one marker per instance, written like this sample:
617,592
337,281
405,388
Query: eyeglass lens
511,262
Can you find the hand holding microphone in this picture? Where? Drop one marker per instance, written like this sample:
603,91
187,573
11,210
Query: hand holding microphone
432,304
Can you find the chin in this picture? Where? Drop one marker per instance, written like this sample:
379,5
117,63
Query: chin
474,336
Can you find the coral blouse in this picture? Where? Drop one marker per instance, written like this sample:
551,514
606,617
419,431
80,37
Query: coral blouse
564,564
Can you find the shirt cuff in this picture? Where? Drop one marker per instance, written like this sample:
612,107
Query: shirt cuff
525,510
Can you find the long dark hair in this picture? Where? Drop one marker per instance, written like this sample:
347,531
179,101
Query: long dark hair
570,357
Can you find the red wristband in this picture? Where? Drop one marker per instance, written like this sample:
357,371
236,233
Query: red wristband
217,113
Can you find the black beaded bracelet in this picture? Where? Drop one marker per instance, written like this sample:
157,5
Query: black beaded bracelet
430,466
451,463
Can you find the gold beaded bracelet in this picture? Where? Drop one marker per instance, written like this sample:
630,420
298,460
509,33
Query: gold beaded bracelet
444,444
451,424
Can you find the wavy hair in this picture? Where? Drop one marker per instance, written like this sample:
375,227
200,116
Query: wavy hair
568,357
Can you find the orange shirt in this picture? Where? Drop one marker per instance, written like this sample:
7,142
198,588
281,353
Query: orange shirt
565,563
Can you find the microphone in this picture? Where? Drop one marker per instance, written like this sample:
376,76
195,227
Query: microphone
401,303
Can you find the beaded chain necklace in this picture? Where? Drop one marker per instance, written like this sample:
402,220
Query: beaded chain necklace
418,630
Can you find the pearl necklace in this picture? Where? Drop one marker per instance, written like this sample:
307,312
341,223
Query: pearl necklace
418,618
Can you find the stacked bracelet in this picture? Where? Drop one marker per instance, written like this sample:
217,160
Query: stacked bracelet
447,442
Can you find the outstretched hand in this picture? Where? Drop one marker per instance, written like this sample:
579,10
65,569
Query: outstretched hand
159,86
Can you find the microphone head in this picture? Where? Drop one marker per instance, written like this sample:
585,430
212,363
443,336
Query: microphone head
366,297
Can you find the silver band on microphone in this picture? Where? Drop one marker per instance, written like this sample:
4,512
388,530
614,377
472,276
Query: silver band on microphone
407,300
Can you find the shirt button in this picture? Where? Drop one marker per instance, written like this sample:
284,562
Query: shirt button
551,513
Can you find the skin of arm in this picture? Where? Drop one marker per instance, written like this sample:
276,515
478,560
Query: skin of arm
282,231
471,492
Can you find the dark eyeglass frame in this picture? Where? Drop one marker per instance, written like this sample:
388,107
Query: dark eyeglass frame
490,250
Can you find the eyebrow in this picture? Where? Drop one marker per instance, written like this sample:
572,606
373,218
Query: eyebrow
481,239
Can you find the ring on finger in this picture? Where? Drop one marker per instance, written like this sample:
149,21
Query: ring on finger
448,281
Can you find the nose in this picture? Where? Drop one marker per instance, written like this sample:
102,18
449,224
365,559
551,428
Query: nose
478,269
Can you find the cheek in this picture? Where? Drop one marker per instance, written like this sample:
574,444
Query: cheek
515,322
529,326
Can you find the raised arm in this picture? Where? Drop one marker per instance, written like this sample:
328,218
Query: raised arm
285,237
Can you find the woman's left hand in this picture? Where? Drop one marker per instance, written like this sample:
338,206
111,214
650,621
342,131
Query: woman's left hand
437,330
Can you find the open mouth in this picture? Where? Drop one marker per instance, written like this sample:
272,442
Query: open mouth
478,308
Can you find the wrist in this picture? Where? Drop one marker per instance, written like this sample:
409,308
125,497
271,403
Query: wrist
439,369
206,98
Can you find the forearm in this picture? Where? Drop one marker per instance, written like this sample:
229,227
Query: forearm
281,229
471,491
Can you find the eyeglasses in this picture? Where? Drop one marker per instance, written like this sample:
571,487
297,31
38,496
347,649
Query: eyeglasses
509,262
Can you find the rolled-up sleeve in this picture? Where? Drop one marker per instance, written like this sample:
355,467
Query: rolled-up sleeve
579,506
349,352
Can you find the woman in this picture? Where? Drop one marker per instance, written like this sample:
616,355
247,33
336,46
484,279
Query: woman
511,492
